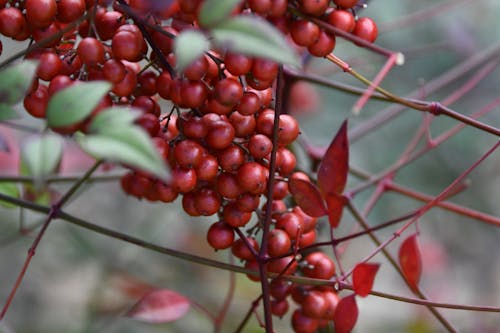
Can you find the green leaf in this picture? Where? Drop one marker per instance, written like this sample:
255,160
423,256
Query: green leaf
254,36
11,190
189,46
128,145
113,117
7,112
40,157
213,12
16,80
75,103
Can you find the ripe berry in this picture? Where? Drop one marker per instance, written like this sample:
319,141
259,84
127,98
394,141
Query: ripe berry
323,46
127,45
40,13
50,66
227,185
314,305
188,153
366,29
197,69
279,307
220,135
304,32
288,129
264,69
113,70
248,202
183,180
36,102
318,266
342,19
250,103
346,3
12,22
279,243
90,51
237,64
188,204
314,7
70,10
302,323
193,94
166,193
243,125
252,177
280,289
228,91
233,216
207,201
231,158
259,146
240,248
208,168
220,235
260,6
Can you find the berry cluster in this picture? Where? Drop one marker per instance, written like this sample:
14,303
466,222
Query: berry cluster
219,140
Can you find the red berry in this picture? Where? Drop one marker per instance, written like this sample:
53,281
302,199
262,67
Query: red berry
228,91
237,64
318,266
220,235
252,177
188,153
314,7
240,248
366,29
342,19
12,22
40,13
90,51
346,3
279,243
304,32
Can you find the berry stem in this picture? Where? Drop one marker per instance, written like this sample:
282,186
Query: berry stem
491,309
52,213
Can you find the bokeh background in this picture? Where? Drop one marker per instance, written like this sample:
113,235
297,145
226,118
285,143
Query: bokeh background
78,280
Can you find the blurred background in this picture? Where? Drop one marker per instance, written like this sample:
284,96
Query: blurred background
80,281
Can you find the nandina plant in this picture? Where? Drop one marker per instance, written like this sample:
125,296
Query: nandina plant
196,104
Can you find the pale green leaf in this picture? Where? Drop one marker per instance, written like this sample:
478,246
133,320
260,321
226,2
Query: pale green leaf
128,145
189,46
254,36
75,103
10,189
40,156
213,12
113,117
16,80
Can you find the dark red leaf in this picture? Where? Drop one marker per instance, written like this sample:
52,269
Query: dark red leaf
363,277
160,306
410,261
346,314
307,196
332,172
335,205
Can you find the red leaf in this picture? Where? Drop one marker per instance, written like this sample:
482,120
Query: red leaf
346,314
335,204
410,261
363,277
332,172
160,306
307,196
